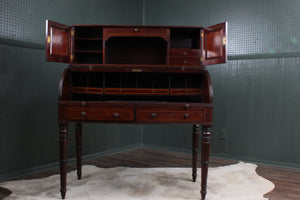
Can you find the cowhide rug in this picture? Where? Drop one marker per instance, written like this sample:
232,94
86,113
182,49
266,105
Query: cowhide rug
234,182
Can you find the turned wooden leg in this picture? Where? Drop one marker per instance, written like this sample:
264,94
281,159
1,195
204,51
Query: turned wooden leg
204,159
63,141
195,150
78,132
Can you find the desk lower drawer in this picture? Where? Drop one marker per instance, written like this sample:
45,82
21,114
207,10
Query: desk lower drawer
195,116
111,114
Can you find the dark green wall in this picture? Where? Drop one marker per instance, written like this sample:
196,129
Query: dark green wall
29,85
256,94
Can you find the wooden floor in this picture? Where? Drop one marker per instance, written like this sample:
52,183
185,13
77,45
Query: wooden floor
287,181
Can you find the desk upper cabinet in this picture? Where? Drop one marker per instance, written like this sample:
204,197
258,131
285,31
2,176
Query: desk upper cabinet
87,45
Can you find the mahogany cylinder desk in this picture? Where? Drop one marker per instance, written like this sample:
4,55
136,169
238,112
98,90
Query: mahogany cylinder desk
136,74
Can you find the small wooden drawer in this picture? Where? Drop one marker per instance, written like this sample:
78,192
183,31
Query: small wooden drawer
185,91
169,116
184,52
87,90
136,32
136,91
195,61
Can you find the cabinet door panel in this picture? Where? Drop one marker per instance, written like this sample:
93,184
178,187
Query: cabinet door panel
58,43
214,44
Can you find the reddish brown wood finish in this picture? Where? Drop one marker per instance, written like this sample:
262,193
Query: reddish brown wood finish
185,52
214,44
185,91
58,42
64,89
106,81
185,57
205,146
136,32
207,88
137,68
129,91
87,90
159,116
93,112
63,142
192,61
78,133
135,112
195,150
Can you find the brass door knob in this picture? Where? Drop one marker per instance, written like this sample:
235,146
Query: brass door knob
153,115
116,115
83,113
186,106
186,115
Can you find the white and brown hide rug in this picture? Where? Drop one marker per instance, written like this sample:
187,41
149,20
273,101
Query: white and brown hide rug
234,182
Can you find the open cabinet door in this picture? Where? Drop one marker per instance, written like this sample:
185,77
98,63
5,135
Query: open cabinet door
58,42
214,44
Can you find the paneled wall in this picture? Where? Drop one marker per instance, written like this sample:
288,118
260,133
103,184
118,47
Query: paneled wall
29,85
256,113
255,27
256,94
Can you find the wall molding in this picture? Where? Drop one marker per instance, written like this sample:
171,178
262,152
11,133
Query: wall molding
33,45
23,44
229,157
32,170
264,55
41,168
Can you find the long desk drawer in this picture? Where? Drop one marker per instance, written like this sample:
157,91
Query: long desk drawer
111,114
100,113
169,116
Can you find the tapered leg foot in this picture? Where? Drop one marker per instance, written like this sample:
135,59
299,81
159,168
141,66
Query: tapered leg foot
195,150
63,193
78,132
205,145
63,141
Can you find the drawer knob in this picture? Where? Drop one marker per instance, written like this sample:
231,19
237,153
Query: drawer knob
184,53
186,115
185,62
136,30
116,115
186,106
83,113
153,115
83,103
